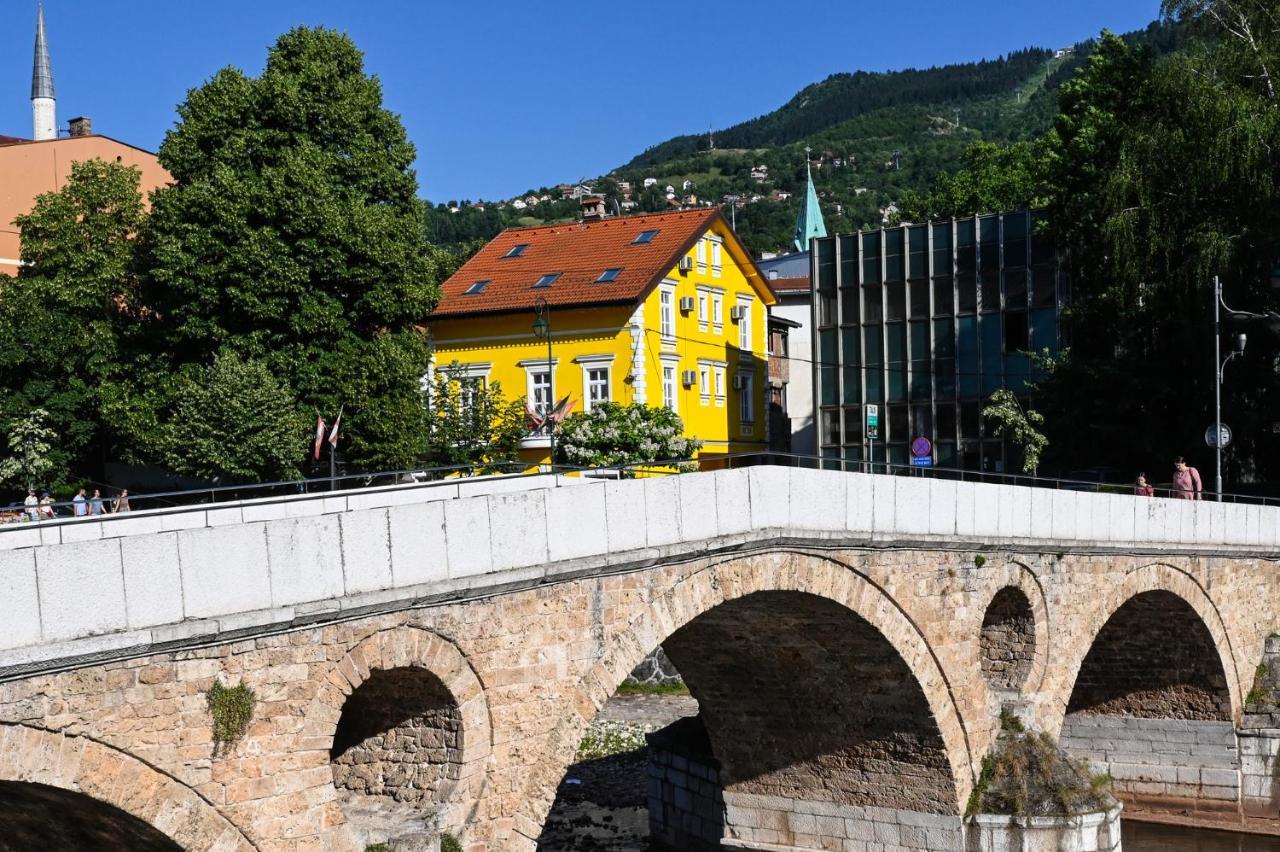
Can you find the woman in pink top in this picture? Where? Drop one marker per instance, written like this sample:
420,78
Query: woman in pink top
1142,488
1186,480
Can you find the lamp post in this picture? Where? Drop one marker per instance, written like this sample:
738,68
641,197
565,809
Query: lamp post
542,329
1220,364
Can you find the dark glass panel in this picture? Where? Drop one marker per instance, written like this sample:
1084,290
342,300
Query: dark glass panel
826,308
871,257
944,377
848,261
898,455
852,384
853,424
921,422
827,379
967,356
946,421
872,353
872,295
919,291
967,293
899,427
1015,331
992,354
895,301
944,454
1042,287
1044,329
970,427
990,292
944,344
826,264
849,305
1015,288
943,297
896,340
830,428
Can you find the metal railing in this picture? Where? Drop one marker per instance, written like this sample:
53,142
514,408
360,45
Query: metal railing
64,511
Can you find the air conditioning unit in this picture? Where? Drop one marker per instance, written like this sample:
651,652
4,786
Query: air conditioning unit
741,382
686,304
738,313
686,264
689,378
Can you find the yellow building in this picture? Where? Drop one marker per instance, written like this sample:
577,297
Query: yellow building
664,309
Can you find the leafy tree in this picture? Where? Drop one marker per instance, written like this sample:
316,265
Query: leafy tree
292,235
30,445
471,423
995,178
1005,415
613,434
234,420
63,317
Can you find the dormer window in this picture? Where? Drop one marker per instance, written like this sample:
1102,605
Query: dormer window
517,250
608,275
645,237
476,288
546,281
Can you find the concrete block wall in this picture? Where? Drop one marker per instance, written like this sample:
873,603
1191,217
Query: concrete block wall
1260,772
1097,832
1159,758
686,810
777,822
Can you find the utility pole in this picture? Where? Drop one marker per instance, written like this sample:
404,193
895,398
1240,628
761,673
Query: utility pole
1217,387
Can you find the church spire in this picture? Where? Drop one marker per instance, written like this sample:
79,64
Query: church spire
43,104
809,223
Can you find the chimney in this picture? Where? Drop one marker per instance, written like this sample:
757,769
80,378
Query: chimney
593,208
81,126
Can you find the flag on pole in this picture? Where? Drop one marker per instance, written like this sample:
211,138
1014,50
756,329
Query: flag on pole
319,435
535,419
333,433
561,411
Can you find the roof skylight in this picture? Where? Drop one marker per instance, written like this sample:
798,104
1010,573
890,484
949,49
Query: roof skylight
645,237
476,288
608,275
517,250
546,280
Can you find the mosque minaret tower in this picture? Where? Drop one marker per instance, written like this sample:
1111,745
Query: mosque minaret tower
44,106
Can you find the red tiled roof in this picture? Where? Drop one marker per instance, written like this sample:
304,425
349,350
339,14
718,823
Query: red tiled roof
579,252
789,285
11,140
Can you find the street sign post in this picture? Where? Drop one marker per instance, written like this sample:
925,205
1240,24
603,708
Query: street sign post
872,413
1218,438
922,452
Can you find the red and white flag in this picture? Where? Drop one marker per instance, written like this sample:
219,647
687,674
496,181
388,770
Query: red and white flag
333,433
319,435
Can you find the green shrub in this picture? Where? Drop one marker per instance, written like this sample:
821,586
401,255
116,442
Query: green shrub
449,843
1026,774
979,561
232,709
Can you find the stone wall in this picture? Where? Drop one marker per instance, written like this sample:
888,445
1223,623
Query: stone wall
1260,772
399,736
686,807
655,670
1152,759
1153,659
1008,639
1097,832
778,821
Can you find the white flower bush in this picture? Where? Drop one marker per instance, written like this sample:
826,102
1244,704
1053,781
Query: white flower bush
615,435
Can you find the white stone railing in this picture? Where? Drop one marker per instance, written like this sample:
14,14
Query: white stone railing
104,586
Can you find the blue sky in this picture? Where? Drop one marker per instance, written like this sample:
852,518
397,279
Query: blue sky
502,96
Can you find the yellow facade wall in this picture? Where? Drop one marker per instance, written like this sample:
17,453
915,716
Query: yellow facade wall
503,349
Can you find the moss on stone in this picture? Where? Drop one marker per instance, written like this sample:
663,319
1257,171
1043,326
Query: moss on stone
231,709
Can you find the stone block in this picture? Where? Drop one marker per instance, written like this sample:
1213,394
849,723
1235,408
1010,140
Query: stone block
770,487
467,536
518,527
16,536
942,507
624,505
366,550
305,559
817,499
152,580
966,497
418,551
86,530
1220,778
224,570
1042,512
883,504
81,590
698,509
19,601
577,524
859,503
1015,512
911,505
986,510
662,510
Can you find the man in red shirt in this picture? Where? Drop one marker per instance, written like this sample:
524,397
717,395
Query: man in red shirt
1186,480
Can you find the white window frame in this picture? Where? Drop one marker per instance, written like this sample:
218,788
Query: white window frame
716,256
704,382
717,311
745,329
671,383
536,368
703,314
717,373
702,254
667,312
589,364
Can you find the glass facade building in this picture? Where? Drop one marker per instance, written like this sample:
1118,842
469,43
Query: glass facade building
926,321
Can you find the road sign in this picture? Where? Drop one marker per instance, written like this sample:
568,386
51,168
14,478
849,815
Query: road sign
1221,439
921,447
873,421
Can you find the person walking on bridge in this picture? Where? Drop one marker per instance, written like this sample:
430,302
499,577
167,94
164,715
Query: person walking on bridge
1186,480
1142,488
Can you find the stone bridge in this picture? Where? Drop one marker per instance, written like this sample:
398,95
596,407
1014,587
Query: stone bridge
850,639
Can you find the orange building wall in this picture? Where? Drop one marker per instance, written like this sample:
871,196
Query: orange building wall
29,169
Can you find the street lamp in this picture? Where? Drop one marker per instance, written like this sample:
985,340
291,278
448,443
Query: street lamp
541,330
1220,364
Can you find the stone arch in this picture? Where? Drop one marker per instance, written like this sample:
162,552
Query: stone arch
734,580
1008,640
1016,576
388,656
1153,577
86,766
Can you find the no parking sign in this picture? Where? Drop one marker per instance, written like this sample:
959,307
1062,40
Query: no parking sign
921,452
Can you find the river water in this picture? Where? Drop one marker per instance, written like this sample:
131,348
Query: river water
1148,837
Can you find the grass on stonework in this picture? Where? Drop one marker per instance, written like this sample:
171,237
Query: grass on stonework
653,689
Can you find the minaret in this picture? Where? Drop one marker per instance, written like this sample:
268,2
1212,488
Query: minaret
809,223
44,111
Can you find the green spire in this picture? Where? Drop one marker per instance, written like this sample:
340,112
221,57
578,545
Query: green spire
809,223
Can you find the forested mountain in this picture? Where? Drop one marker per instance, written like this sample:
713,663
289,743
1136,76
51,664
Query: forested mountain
875,137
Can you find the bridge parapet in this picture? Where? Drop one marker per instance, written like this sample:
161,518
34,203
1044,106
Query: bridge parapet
117,586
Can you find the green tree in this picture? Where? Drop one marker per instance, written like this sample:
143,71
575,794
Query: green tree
471,423
613,434
292,235
995,178
234,420
64,318
30,443
1007,419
